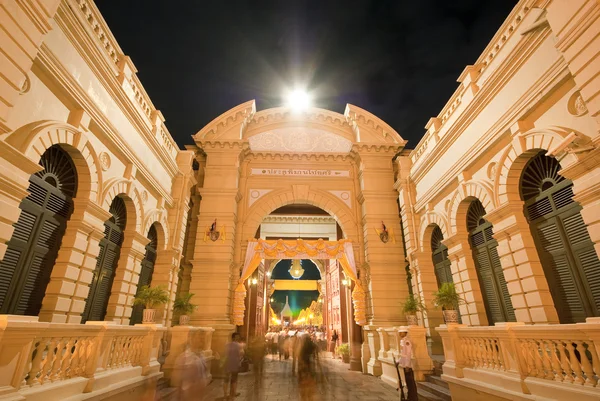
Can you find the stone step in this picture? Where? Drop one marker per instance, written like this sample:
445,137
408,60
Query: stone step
162,384
167,394
427,396
436,380
439,391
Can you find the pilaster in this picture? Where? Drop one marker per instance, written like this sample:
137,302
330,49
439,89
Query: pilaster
388,287
213,272
126,278
464,275
524,274
426,283
73,271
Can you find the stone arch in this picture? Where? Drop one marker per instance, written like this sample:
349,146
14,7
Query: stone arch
276,199
463,196
33,139
121,186
158,217
515,157
428,223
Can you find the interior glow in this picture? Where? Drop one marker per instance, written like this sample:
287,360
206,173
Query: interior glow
298,100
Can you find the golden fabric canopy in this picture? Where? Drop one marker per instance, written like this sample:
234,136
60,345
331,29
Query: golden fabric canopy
300,249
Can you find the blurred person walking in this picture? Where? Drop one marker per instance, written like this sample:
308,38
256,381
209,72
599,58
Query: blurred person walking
233,361
190,374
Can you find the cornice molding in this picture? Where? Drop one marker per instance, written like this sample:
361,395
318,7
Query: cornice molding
358,117
314,114
244,111
552,77
54,69
223,145
388,148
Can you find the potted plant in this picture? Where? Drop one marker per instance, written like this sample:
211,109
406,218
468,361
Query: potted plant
447,298
412,305
344,351
184,307
150,298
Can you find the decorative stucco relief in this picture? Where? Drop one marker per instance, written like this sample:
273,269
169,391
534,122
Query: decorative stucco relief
104,161
256,194
344,196
576,105
300,140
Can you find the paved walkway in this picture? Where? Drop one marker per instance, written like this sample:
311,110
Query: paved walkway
278,384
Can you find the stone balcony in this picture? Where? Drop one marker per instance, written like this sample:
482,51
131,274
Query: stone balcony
523,362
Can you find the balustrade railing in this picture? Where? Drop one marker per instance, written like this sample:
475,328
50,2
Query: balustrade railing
539,356
34,355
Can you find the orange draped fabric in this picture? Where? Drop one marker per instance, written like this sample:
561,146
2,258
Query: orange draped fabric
299,249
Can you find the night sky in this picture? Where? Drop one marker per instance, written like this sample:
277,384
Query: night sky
398,59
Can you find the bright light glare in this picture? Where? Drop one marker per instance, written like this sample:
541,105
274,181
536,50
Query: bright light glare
298,100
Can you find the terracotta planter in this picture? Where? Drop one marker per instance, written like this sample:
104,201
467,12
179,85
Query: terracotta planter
412,320
149,316
450,316
346,358
184,320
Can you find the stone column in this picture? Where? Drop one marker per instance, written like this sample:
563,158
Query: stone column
75,263
25,24
388,287
464,275
213,272
126,278
576,25
523,272
165,274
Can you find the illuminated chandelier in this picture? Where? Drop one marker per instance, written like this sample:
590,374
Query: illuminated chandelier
296,270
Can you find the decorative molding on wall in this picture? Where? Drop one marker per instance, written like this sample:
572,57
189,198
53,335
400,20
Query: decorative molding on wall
104,161
275,219
576,106
256,194
300,139
344,196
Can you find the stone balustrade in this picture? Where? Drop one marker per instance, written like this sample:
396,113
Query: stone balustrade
530,361
60,360
382,345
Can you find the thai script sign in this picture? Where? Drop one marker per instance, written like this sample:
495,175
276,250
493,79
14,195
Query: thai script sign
300,172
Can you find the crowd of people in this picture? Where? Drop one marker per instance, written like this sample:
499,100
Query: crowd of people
302,345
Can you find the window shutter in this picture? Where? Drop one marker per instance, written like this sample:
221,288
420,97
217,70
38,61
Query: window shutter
488,287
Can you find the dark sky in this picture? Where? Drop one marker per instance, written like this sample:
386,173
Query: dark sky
399,59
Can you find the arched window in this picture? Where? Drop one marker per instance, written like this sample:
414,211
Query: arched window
489,270
443,273
32,249
146,272
106,264
562,240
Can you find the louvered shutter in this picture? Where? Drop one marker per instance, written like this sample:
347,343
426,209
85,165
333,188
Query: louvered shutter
145,279
488,287
32,250
501,281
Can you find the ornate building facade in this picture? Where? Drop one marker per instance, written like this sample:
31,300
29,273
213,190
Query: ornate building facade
500,197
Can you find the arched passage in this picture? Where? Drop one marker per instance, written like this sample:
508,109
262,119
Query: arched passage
566,251
27,264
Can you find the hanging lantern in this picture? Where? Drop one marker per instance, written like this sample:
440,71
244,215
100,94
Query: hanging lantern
296,270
